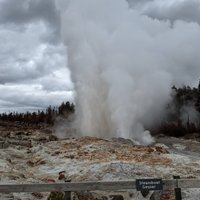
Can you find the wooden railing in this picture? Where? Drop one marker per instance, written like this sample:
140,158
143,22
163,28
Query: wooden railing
69,187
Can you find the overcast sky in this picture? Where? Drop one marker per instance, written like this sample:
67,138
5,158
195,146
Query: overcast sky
33,72
33,61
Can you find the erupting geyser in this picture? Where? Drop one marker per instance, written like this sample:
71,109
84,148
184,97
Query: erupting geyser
123,64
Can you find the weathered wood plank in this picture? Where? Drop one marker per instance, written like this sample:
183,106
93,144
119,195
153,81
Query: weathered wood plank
92,186
188,183
169,184
83,186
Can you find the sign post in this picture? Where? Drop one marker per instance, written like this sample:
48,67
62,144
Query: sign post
177,190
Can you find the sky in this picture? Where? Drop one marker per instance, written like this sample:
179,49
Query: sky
33,59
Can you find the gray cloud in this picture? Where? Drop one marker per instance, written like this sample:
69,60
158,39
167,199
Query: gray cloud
22,12
33,72
23,97
138,2
187,10
23,56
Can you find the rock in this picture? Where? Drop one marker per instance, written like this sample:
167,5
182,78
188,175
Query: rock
42,139
162,195
4,145
21,143
53,138
38,195
56,196
161,149
116,197
61,177
36,162
156,195
89,196
124,141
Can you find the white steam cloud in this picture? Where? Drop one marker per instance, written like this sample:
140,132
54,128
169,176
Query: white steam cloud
123,64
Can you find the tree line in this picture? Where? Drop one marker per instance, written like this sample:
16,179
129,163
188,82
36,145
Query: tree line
182,98
41,116
172,125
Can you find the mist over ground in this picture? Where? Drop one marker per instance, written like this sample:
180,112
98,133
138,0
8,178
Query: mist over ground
124,60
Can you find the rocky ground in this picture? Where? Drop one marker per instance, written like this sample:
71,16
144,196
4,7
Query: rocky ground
34,155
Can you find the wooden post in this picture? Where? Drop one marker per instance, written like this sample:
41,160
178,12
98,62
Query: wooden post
67,193
67,196
177,190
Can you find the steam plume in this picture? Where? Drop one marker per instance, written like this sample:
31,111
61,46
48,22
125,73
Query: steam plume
123,64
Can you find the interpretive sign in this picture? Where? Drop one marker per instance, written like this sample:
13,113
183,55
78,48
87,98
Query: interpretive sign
149,184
